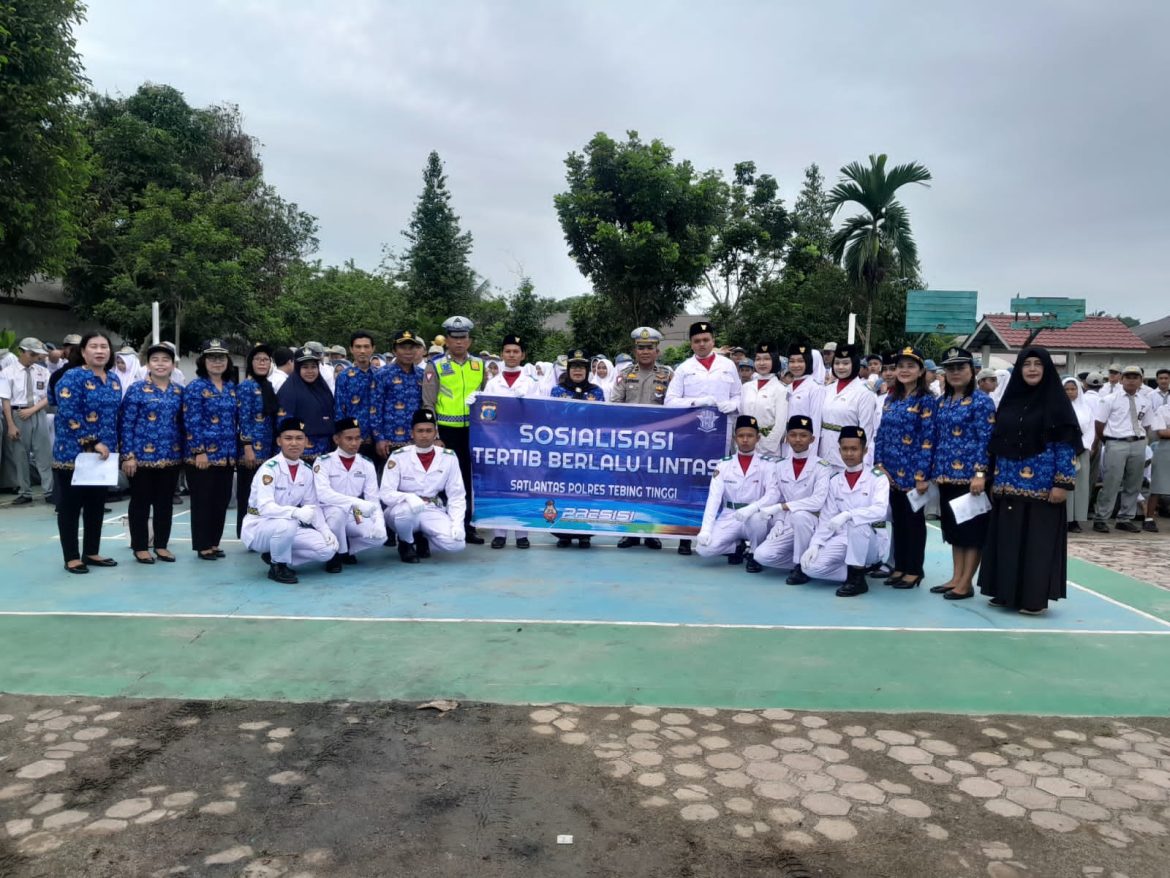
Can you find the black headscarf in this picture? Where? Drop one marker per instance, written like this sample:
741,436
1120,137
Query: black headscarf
270,404
1029,418
311,403
853,355
578,389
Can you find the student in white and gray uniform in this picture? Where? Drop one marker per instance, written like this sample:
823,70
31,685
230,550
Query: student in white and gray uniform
1122,421
24,389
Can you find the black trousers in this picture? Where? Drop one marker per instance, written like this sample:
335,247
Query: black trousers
85,504
244,477
458,439
211,493
151,493
909,534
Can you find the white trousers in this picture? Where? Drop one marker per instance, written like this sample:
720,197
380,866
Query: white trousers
287,540
854,545
790,535
351,536
434,522
728,530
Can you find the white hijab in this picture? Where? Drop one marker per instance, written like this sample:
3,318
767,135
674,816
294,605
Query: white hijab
1084,411
1002,376
546,380
606,383
129,370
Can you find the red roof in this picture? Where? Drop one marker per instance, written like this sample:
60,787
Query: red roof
1092,333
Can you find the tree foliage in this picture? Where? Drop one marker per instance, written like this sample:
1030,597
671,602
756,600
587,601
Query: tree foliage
639,225
43,157
327,303
812,214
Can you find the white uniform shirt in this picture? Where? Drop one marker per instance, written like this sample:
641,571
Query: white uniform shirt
855,406
1113,412
807,398
276,494
277,377
1160,399
1160,420
524,385
769,406
693,381
404,474
866,502
337,486
14,383
730,484
806,492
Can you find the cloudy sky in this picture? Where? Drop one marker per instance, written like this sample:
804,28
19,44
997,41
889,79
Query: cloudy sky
1044,124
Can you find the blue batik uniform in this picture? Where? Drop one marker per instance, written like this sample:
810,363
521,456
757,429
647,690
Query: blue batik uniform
962,432
905,439
87,414
594,394
209,416
256,428
399,396
355,395
1033,477
150,425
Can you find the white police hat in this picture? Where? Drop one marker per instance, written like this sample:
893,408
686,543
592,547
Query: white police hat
457,326
646,334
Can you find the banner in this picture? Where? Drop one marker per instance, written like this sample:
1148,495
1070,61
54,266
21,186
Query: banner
593,468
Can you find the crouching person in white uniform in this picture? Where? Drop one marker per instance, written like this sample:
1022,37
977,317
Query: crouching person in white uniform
414,483
846,541
802,479
347,486
284,522
740,486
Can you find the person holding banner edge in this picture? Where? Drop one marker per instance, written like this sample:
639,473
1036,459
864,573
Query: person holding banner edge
575,385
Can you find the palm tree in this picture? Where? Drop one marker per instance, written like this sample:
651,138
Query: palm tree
872,244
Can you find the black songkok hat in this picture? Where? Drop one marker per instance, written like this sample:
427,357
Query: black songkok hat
800,422
699,328
346,424
423,416
290,424
852,432
747,421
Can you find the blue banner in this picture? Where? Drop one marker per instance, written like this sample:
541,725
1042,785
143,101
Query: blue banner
593,468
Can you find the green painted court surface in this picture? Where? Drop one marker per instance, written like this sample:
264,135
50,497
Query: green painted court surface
599,627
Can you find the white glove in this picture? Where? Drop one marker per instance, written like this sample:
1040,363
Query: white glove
746,512
306,514
839,520
416,503
810,556
369,509
703,400
728,406
773,510
330,540
704,538
472,397
457,531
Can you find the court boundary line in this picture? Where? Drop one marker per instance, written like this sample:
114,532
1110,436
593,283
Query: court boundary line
252,617
1118,603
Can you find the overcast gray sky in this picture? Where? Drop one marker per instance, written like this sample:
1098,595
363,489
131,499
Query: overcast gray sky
1045,124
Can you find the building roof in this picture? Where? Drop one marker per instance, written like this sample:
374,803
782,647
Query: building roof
1155,334
1090,334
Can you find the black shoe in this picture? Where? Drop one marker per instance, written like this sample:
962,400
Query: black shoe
334,564
734,558
584,542
652,543
407,553
797,576
168,558
208,555
564,542
1150,526
423,546
100,562
684,547
628,542
854,584
473,538
1074,527
499,542
1100,527
81,568
22,501
282,573
349,558
220,553
953,595
940,589
751,565
141,560
176,500
391,540
522,543
906,583
1128,526
893,579
266,557
879,570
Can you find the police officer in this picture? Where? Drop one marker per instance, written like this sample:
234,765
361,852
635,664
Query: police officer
740,486
422,490
24,389
284,522
347,488
643,381
846,541
447,383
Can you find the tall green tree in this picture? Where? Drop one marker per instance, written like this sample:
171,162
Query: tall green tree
43,156
876,243
355,298
639,225
436,267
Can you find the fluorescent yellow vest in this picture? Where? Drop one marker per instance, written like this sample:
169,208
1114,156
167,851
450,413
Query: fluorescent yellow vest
455,383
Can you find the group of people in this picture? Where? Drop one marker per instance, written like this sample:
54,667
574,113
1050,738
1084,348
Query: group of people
836,453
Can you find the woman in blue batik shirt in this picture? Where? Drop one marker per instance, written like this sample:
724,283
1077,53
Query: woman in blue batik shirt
963,420
88,397
1034,449
257,416
209,416
904,452
150,427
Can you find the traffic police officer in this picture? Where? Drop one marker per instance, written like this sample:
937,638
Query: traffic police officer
447,383
347,487
284,522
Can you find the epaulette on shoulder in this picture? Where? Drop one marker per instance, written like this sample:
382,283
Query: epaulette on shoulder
271,463
398,450
325,456
728,457
877,471
823,462
448,451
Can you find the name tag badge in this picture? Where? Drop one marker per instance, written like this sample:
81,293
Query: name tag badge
40,385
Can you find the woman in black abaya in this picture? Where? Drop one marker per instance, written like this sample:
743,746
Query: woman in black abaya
1034,448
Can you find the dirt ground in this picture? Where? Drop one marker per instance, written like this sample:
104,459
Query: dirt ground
142,788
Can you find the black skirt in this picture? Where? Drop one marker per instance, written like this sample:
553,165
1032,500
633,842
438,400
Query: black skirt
971,534
1025,560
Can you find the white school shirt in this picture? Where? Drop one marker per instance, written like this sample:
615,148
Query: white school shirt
855,406
769,406
866,502
1113,412
523,386
693,381
13,383
337,486
806,399
404,474
276,494
808,491
730,484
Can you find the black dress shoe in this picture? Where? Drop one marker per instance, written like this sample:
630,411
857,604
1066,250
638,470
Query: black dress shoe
1128,526
940,589
1150,526
522,543
283,574
349,558
81,568
266,558
684,547
652,543
22,501
391,540
499,542
797,576
141,560
751,565
735,558
168,558
907,583
1100,527
220,553
953,595
334,564
584,542
208,555
473,538
100,562
628,542
893,579
407,553
1074,527
564,542
852,589
423,546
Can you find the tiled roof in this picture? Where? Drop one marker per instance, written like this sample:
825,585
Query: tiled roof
1090,334
1156,334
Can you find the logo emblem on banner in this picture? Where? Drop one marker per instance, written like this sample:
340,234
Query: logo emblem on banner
707,421
487,411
